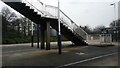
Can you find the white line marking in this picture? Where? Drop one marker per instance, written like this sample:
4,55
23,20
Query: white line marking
80,53
86,60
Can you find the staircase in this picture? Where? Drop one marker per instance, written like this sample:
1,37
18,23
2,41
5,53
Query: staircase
44,13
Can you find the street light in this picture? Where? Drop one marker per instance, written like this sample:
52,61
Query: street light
114,12
115,19
59,29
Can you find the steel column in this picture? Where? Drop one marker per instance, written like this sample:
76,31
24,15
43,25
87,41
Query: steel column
42,37
38,35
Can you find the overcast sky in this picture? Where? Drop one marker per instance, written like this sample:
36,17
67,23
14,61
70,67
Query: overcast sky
87,12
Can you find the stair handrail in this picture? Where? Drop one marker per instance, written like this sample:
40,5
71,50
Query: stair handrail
77,27
72,22
32,6
57,16
46,13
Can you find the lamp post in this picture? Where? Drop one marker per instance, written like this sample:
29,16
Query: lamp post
59,29
114,12
115,20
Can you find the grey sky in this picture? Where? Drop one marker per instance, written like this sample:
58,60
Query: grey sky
119,10
87,12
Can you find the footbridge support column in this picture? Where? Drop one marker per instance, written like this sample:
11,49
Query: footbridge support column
48,36
38,35
42,37
32,36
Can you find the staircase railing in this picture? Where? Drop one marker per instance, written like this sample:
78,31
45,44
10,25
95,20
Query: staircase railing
67,21
36,5
52,12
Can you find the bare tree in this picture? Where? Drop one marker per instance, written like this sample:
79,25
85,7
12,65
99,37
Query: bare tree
97,29
115,23
87,29
17,22
8,14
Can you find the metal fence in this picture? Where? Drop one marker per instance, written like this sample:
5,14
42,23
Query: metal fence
100,39
105,38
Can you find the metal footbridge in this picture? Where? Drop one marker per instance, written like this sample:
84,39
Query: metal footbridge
47,16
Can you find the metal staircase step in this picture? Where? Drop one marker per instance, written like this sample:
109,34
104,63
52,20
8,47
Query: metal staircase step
23,4
32,10
28,7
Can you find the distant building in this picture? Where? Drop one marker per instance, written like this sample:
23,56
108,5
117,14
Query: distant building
115,32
